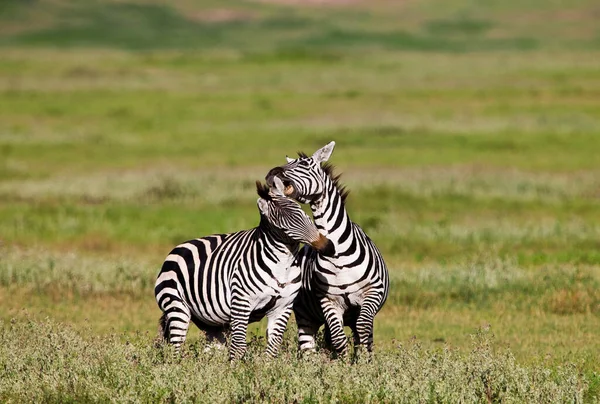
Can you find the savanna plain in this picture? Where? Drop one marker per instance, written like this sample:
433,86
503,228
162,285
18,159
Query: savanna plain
468,133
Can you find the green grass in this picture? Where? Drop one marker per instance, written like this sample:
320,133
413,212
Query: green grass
467,132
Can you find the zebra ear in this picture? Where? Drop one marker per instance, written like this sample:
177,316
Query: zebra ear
279,187
323,154
289,159
263,206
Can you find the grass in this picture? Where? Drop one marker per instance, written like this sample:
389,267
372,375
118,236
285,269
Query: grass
64,366
467,133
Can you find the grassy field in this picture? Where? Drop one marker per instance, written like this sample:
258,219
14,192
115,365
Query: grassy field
468,133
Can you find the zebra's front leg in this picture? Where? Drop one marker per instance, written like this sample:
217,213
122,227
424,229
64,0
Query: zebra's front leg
240,315
334,317
276,325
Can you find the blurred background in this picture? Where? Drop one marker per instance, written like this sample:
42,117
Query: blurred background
467,131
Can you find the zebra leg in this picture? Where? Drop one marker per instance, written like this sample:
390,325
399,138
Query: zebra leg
355,339
276,325
176,322
335,322
364,323
240,315
307,331
307,336
358,348
309,319
327,339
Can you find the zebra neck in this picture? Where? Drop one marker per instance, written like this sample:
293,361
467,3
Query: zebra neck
273,249
331,218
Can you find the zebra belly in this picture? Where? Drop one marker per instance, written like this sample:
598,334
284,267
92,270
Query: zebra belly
347,304
264,305
211,319
261,311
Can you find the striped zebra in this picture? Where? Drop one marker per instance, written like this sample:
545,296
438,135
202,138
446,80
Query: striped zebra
348,288
222,282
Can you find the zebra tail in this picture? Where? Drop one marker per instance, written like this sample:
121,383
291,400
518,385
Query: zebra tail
163,329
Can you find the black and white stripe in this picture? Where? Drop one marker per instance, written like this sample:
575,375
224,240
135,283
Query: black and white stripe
348,288
228,280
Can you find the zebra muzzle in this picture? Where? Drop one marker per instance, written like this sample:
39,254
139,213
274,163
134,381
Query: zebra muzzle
324,246
289,190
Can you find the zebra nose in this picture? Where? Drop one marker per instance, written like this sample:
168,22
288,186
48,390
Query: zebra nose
272,174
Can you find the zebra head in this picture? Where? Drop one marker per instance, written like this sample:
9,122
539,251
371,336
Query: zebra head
303,178
287,219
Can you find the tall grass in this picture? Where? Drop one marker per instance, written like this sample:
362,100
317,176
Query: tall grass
61,365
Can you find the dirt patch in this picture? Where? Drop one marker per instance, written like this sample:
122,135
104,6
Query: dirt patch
220,15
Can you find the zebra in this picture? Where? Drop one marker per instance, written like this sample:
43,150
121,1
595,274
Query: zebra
224,281
348,288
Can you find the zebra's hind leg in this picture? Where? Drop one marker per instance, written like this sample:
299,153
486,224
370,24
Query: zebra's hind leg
327,344
307,333
364,323
358,347
276,325
175,323
307,328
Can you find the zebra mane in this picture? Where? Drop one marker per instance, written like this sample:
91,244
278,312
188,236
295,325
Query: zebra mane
263,190
335,178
